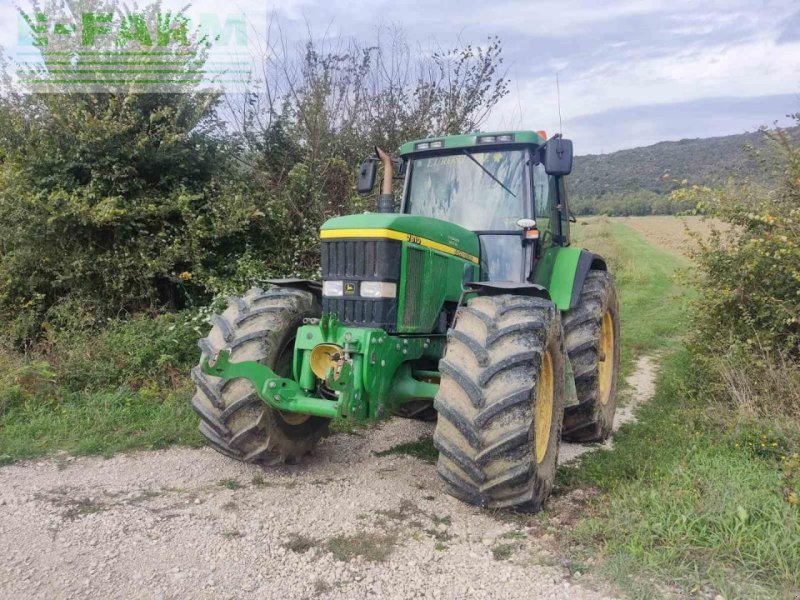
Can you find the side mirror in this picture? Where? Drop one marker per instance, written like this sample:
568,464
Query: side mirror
558,156
366,176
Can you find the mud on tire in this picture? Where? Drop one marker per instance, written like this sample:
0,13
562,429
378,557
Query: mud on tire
491,371
259,326
591,420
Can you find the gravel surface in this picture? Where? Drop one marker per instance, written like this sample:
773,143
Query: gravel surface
189,523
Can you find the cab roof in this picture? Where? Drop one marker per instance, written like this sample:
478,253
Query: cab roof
470,140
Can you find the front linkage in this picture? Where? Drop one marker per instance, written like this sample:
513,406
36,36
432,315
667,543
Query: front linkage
368,364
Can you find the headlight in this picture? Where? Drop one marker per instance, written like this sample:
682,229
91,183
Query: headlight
332,288
378,289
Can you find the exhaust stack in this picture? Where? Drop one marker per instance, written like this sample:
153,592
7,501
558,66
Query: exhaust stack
386,197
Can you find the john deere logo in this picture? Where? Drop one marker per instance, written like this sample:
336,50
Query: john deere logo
349,289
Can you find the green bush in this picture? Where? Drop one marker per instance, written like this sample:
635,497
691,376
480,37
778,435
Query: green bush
750,275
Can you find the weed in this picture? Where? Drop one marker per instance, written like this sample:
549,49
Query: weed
299,543
440,535
442,520
440,546
349,426
230,484
405,510
321,586
259,481
422,449
375,547
503,551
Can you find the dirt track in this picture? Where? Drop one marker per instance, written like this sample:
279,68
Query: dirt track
346,523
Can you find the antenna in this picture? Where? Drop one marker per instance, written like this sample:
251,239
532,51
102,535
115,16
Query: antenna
558,94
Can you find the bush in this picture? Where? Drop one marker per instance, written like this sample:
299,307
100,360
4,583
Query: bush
750,275
747,316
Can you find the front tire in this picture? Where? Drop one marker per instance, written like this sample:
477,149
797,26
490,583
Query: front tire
500,402
260,326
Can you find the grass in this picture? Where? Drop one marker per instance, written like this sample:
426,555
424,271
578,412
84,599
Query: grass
690,500
231,484
96,423
652,293
422,449
100,390
374,547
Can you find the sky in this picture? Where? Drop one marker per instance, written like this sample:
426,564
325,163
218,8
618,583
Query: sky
631,73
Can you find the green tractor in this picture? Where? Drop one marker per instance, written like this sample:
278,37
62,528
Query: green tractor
467,304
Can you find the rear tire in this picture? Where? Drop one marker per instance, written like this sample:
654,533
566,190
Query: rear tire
260,326
504,359
592,419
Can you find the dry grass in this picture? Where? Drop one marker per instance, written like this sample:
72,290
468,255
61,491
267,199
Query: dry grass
763,386
374,547
676,234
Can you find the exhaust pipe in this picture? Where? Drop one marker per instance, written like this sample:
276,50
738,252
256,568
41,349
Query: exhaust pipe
386,197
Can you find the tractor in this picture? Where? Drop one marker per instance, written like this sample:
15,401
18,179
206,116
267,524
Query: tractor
464,302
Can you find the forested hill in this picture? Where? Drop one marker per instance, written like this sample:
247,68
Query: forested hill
638,181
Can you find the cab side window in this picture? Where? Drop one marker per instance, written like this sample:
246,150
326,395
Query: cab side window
544,205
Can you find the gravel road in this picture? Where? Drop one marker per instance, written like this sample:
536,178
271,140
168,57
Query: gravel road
188,523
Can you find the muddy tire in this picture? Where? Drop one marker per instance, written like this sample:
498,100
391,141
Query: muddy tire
259,326
591,332
502,372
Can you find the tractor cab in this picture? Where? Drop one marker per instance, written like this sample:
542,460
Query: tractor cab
499,186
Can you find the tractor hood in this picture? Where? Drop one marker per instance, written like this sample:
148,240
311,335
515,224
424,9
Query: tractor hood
425,231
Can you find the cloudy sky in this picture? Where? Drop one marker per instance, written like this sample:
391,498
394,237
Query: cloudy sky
631,73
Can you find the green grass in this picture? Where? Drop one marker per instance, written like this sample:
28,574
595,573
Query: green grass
652,294
96,423
100,389
691,500
422,449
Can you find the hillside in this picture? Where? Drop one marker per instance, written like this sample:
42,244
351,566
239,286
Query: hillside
638,180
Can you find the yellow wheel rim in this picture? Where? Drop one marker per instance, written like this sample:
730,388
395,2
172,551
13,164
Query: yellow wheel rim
605,374
543,413
293,418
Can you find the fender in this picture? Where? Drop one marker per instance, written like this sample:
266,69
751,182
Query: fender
586,262
563,270
307,285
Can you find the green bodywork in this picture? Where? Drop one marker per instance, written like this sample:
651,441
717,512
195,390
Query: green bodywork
442,232
442,255
556,271
379,378
470,140
382,371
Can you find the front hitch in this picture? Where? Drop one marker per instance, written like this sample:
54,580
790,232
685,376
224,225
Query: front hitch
279,392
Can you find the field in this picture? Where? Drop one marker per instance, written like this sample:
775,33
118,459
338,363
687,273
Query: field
676,234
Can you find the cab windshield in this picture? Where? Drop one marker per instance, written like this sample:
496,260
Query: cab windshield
477,190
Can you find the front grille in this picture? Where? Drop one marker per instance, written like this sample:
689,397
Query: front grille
354,261
422,300
415,261
373,260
